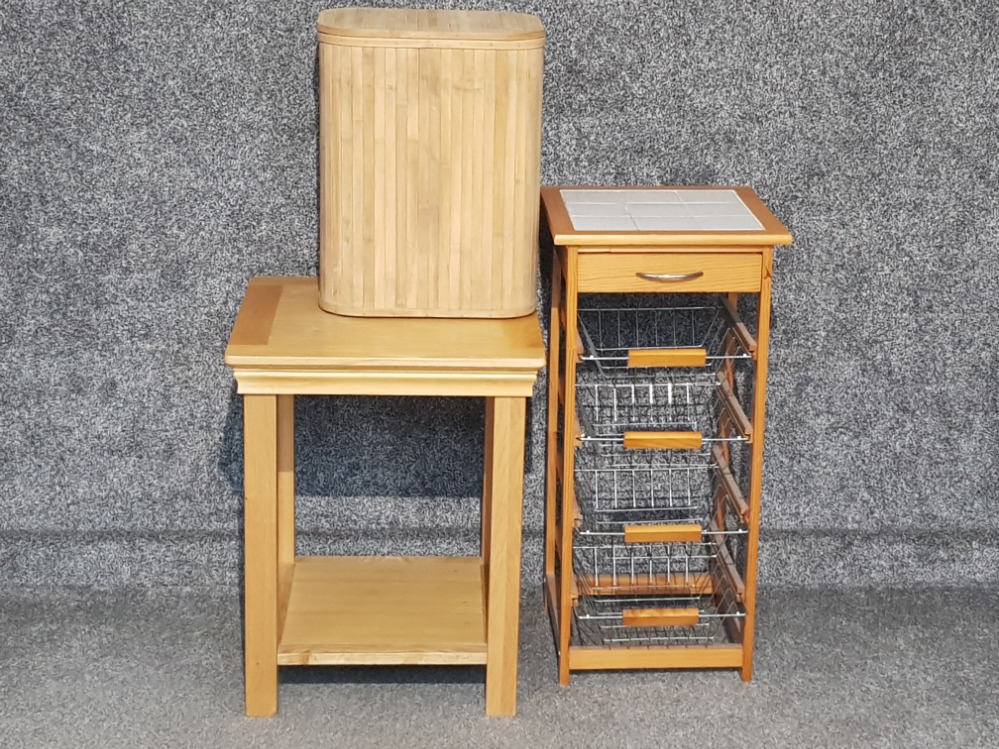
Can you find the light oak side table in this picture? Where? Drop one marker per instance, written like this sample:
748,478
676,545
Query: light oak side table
377,610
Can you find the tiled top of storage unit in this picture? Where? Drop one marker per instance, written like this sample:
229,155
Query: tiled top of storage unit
658,210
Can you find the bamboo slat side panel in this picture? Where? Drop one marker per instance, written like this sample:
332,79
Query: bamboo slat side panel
429,179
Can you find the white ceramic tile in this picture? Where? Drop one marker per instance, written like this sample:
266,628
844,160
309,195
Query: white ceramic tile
718,209
630,209
653,196
658,210
597,209
620,196
709,196
602,223
591,196
729,223
666,223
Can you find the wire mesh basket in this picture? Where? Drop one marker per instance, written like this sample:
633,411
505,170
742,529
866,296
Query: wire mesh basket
636,621
689,336
618,490
607,565
702,403
656,594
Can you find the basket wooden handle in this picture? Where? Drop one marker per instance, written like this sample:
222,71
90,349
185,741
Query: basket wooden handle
667,534
660,617
662,440
668,357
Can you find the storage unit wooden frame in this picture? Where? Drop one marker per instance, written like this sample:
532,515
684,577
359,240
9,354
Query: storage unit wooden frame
662,261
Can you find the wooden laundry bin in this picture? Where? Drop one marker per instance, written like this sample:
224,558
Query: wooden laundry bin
429,162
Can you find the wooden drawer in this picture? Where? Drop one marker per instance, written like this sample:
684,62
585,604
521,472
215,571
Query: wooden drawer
679,272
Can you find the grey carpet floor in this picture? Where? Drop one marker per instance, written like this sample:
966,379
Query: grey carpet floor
834,669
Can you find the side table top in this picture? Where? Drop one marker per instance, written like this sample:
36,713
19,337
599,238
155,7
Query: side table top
698,216
280,326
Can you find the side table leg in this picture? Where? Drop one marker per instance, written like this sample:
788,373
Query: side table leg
506,472
285,502
260,553
487,498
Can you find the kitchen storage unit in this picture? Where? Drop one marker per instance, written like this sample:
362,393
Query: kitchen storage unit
660,325
429,162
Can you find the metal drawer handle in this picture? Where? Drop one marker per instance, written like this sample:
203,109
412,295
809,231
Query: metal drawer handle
666,277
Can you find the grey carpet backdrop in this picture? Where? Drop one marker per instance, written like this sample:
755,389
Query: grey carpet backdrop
835,669
154,156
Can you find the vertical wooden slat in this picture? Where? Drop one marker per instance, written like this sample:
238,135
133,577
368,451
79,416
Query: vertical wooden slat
446,189
469,196
415,259
436,188
520,183
342,192
328,163
373,263
378,186
457,180
423,247
486,67
528,272
431,187
402,177
504,116
357,259
389,198
478,244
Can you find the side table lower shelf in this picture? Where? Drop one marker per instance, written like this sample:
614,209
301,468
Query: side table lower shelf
385,611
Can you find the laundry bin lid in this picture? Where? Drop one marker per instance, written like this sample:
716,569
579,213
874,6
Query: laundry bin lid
400,27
